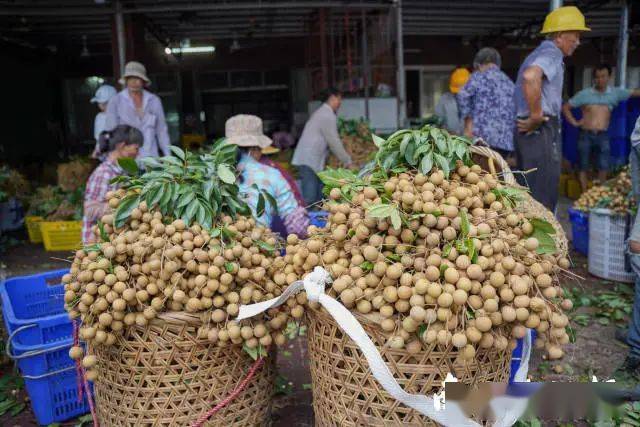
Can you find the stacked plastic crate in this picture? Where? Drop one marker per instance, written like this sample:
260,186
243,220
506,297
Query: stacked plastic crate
40,335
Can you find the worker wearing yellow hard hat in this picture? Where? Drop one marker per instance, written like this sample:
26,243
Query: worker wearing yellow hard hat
538,99
447,107
458,79
567,18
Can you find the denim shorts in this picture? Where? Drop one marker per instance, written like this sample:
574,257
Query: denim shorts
596,144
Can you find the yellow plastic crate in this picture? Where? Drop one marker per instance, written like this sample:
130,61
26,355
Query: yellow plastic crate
61,235
562,185
573,189
33,228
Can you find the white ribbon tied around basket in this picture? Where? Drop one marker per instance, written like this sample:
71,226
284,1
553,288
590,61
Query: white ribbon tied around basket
314,284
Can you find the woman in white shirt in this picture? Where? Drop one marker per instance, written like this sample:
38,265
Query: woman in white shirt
102,97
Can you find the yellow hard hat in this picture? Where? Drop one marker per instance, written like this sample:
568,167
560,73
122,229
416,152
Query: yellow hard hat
458,79
567,18
270,150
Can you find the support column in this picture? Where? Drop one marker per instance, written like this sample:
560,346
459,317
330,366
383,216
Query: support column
323,47
623,45
366,81
554,4
120,38
400,83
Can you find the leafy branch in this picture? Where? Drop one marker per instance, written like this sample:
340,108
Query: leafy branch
422,149
194,187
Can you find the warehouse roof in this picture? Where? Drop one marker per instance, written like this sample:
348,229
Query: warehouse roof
74,23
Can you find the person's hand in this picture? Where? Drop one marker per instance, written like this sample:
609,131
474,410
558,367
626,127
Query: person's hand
530,124
577,123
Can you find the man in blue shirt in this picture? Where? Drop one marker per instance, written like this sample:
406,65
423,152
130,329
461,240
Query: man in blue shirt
538,98
596,103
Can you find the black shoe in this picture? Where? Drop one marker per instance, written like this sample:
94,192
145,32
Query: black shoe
629,371
621,335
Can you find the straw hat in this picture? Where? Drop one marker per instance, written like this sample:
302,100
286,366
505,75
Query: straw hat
245,130
134,69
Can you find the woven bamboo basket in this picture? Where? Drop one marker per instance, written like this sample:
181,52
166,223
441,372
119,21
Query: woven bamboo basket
345,392
163,375
493,162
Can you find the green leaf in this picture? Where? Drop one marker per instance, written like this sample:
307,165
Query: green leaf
380,210
441,144
103,234
129,165
177,151
253,352
542,225
366,266
271,200
123,211
225,174
472,253
446,250
15,410
426,164
464,223
443,163
443,267
405,143
421,330
264,245
409,154
396,221
461,150
390,160
377,140
186,199
201,216
190,213
154,195
336,178
260,205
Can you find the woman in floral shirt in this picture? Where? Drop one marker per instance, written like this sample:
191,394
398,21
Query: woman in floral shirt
123,141
486,103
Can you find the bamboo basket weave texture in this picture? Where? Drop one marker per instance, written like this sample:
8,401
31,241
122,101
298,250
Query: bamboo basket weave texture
163,375
345,392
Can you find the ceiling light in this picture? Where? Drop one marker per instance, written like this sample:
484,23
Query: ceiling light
190,49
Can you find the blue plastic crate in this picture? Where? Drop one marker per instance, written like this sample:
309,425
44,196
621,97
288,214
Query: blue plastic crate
39,359
54,397
579,230
34,305
516,355
318,218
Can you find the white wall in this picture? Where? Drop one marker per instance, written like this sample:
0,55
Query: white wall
383,112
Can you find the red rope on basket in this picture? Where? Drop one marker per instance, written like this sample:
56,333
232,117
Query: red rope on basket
257,364
94,414
82,378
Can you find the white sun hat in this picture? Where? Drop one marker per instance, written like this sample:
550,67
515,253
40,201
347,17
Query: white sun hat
245,130
134,69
